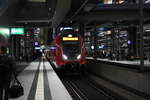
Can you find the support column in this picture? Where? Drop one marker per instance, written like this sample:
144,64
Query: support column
95,41
141,36
12,46
82,29
50,35
132,37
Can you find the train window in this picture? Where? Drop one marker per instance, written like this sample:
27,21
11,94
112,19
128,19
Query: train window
71,47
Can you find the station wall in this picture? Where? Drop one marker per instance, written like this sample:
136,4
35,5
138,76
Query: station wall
125,77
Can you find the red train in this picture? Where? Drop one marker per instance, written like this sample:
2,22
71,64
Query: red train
68,49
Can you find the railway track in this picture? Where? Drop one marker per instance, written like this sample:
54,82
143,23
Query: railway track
75,91
81,88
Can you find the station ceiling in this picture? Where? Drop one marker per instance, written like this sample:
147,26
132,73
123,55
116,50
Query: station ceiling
62,12
37,0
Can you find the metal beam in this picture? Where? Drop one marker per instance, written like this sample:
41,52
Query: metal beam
62,9
37,0
84,3
33,21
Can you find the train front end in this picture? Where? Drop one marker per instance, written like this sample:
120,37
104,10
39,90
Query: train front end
72,50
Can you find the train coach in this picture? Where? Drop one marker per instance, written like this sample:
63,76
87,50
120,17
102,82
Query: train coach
68,49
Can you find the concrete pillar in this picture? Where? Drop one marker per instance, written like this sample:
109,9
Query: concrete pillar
95,40
50,36
132,37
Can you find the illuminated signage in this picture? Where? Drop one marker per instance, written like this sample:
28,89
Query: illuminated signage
70,38
17,31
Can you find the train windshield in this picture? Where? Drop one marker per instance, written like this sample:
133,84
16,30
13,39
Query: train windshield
71,44
71,49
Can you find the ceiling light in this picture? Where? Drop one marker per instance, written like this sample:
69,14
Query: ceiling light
49,9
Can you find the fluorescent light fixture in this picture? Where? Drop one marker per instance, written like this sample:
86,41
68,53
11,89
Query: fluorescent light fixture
147,1
148,30
65,28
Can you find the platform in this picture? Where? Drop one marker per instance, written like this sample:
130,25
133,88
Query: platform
124,74
40,82
134,62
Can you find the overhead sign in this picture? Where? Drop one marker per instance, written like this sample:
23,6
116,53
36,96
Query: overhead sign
17,31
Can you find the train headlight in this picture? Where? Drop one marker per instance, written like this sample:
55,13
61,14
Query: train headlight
65,57
79,56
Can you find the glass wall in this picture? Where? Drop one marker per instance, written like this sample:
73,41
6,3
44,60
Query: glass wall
115,42
146,37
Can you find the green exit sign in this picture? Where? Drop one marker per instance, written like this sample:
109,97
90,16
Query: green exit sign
17,31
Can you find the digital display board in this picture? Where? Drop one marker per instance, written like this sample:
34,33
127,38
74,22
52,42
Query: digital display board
70,38
17,31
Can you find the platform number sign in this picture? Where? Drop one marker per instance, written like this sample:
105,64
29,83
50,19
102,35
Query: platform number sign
17,31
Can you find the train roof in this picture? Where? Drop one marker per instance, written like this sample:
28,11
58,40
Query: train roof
68,31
